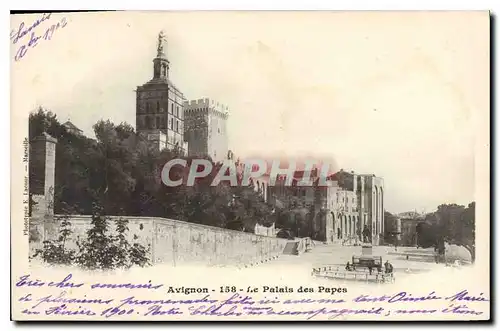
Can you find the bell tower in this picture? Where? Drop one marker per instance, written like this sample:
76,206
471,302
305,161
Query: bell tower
159,105
161,63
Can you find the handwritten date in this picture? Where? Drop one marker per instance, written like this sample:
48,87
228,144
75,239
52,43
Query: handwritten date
34,36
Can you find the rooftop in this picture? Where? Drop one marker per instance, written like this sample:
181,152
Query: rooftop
71,126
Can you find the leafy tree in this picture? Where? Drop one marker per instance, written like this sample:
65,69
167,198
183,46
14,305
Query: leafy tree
467,230
121,245
138,255
119,170
96,251
55,252
452,223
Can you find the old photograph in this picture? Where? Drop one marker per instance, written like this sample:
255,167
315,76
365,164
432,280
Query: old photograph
250,166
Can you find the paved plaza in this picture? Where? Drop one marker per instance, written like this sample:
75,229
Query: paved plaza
404,260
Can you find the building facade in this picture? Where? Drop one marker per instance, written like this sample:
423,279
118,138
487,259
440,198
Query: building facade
206,128
369,190
409,222
314,202
159,105
341,208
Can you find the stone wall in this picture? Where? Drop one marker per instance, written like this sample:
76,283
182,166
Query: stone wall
175,243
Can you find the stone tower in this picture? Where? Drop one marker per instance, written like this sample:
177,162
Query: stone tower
159,105
372,195
206,128
42,160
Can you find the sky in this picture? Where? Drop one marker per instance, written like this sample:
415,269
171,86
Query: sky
397,95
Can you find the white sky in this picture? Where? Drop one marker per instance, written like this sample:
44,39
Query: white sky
393,94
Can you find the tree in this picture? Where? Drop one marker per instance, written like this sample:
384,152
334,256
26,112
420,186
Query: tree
467,230
452,223
96,250
123,174
121,246
55,252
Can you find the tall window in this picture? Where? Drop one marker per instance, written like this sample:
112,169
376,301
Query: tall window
172,109
177,111
171,123
158,106
177,125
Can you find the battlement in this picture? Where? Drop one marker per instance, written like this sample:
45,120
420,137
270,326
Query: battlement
206,103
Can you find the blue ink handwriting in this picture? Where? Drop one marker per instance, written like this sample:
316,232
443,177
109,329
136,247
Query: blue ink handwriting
235,305
62,299
464,296
21,31
25,281
34,38
401,296
64,310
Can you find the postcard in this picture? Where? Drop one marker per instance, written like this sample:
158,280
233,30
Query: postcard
250,166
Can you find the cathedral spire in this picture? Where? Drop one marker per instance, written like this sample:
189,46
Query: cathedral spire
161,63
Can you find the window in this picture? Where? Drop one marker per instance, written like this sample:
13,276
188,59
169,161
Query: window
172,109
177,111
158,106
177,125
171,124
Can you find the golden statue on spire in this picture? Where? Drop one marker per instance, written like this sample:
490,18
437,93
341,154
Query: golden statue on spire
162,39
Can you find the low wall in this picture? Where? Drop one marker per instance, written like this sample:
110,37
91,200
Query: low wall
175,243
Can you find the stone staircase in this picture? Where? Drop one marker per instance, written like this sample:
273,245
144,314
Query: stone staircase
291,248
